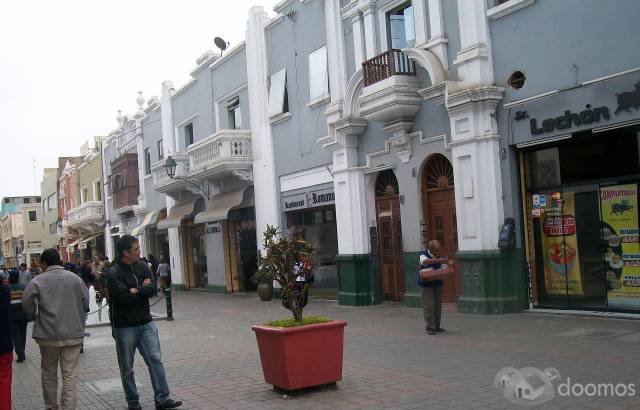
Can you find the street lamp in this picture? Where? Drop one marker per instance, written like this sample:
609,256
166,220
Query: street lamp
170,167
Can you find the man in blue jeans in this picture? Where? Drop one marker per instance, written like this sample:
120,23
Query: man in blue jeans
130,286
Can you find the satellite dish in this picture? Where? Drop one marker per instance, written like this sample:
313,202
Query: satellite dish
221,44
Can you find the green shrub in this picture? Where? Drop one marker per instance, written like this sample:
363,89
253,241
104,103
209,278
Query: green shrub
309,320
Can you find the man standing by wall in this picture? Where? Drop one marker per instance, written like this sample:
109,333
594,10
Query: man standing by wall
6,347
432,290
17,316
58,301
130,286
25,275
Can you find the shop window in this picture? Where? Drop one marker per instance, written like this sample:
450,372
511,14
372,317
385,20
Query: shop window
328,215
400,27
318,217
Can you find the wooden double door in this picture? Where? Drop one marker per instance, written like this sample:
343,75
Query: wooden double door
439,213
390,236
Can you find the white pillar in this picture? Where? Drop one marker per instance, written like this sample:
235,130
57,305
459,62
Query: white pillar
358,44
369,28
437,38
420,21
264,179
335,50
474,58
169,147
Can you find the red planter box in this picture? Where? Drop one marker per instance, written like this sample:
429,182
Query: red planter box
302,356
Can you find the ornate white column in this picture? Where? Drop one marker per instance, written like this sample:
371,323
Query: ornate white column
420,21
358,44
264,179
169,147
368,10
437,42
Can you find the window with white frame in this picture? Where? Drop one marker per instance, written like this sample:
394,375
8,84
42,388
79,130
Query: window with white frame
234,114
400,27
84,194
188,134
147,161
160,151
33,216
97,191
278,98
318,74
53,228
53,201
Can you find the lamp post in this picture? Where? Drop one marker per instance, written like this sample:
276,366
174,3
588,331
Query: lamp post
170,166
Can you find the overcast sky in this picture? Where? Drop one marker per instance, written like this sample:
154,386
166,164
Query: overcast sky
68,66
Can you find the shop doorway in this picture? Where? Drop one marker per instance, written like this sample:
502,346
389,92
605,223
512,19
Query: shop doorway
196,259
439,213
240,249
387,194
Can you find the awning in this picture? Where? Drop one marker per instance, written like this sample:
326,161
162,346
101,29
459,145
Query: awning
176,213
219,206
74,243
149,218
87,239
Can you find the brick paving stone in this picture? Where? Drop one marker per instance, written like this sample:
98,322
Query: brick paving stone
212,362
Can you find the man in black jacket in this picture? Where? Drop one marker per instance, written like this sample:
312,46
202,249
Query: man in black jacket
130,286
6,347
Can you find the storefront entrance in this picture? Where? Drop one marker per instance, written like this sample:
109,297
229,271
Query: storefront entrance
581,205
439,213
390,235
196,259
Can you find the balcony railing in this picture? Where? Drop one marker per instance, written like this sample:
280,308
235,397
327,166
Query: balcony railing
160,178
225,146
385,65
87,213
128,148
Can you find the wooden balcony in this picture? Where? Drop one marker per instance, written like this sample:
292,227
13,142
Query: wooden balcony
385,65
124,183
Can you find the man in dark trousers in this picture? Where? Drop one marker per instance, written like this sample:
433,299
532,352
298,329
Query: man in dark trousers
17,315
431,291
130,286
6,347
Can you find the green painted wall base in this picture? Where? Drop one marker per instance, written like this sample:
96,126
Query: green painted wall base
221,289
179,287
412,293
493,282
355,280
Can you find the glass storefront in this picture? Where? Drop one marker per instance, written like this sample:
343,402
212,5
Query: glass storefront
581,204
320,229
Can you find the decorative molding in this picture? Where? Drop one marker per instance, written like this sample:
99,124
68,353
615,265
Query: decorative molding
434,138
231,52
478,51
429,62
279,118
186,120
507,8
316,102
481,94
403,146
280,6
243,174
436,94
391,99
184,87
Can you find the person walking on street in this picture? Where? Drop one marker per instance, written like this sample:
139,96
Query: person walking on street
431,291
18,317
130,286
25,275
164,272
57,300
6,347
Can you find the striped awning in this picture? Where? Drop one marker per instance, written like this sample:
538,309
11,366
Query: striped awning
149,219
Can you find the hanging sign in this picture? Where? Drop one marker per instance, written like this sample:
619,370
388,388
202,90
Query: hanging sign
619,237
560,249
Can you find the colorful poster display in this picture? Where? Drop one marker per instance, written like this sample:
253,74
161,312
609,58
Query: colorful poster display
619,207
560,248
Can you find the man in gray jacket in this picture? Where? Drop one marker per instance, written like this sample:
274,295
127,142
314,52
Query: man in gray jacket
57,300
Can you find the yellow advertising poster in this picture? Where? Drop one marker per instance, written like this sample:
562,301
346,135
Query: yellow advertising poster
619,207
560,247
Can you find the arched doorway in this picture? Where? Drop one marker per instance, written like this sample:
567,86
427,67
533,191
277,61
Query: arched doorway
389,235
439,213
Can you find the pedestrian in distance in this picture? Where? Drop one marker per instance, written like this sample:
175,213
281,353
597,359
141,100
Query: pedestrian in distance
25,274
130,286
57,300
431,290
6,347
18,318
164,272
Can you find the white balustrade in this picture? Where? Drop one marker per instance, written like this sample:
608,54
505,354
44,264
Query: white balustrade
225,145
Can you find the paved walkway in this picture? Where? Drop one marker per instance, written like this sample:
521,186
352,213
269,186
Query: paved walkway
390,362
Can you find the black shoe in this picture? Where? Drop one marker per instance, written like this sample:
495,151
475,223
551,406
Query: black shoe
439,330
431,331
21,359
169,404
134,406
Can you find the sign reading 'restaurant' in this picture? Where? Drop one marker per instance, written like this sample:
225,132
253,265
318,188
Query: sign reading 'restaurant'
309,199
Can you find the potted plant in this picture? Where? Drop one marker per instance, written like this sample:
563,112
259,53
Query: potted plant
301,351
264,281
